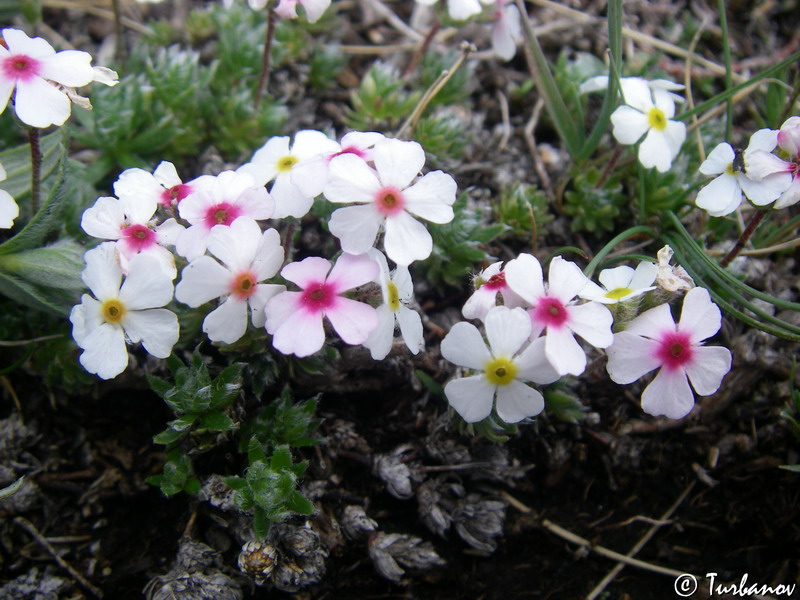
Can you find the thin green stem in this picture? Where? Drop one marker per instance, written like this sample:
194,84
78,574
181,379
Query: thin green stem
36,167
726,55
628,233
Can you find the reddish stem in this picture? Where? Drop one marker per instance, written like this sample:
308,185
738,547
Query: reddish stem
748,231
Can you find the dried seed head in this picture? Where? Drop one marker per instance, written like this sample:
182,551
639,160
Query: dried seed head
258,559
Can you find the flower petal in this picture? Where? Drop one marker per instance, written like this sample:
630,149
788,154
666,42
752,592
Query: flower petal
592,322
157,329
533,364
102,274
471,397
464,346
507,329
432,197
228,322
202,280
629,125
353,321
564,352
709,366
39,104
565,279
668,394
411,329
105,219
652,323
301,333
351,271
718,160
105,353
235,245
356,227
148,285
398,162
351,180
406,239
380,340
700,317
721,196
313,269
516,401
630,357
524,276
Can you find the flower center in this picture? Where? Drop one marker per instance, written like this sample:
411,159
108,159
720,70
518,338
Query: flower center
317,297
351,150
392,297
389,200
618,293
674,350
138,237
496,282
500,371
113,310
550,312
285,163
175,194
244,285
21,67
657,119
221,214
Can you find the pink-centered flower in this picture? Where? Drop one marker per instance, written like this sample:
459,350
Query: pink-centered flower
506,29
216,201
310,175
295,318
248,258
38,73
763,165
122,312
552,310
129,221
653,341
164,185
488,284
388,196
276,160
504,366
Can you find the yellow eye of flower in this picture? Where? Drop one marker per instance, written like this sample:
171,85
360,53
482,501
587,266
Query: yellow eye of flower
500,371
113,310
286,163
657,119
393,299
618,293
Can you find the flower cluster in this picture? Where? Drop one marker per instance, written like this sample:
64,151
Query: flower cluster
531,338
217,227
754,173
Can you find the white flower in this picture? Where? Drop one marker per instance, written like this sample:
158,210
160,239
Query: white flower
488,283
600,84
216,201
32,66
398,291
249,257
652,341
621,283
506,30
276,160
8,207
310,175
504,366
459,10
647,112
162,185
386,196
130,313
762,164
288,8
552,310
723,195
129,222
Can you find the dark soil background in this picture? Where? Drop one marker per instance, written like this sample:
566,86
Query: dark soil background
609,479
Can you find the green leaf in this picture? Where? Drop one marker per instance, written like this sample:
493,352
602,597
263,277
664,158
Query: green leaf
236,483
158,385
297,503
184,422
281,459
34,297
216,421
192,486
433,386
168,436
56,266
255,451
